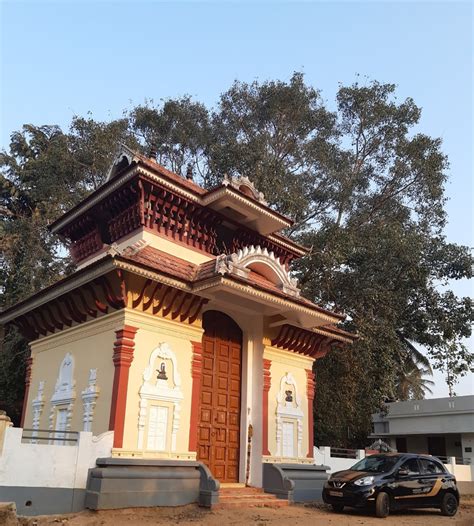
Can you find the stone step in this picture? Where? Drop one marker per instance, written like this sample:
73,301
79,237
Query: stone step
236,497
260,502
264,496
242,491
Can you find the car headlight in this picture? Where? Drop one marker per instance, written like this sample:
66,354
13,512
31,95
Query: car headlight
364,481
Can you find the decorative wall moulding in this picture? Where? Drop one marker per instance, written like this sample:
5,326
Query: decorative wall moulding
64,396
289,419
160,402
38,405
89,399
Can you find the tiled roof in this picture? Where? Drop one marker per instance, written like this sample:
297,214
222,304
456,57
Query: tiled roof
181,269
191,185
163,262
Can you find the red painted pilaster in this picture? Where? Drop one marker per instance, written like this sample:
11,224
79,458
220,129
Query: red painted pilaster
122,357
267,381
310,390
196,371
29,363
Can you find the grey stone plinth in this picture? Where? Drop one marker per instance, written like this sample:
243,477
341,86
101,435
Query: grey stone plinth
124,483
295,482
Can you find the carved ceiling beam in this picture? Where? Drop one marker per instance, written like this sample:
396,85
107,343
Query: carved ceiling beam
303,341
102,307
87,309
180,306
147,304
174,297
137,301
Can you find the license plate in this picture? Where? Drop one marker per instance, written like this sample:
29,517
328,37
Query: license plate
336,493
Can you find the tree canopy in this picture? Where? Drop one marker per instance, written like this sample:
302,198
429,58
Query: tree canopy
366,192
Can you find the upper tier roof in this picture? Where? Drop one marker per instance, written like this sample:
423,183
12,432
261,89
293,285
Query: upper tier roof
236,198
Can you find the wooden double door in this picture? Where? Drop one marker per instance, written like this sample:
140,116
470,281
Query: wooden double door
219,411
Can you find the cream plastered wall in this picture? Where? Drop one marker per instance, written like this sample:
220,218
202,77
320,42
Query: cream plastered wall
153,331
286,362
92,346
156,241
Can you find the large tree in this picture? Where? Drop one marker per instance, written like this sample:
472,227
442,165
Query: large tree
366,192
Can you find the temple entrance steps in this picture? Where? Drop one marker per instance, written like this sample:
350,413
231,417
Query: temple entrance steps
238,496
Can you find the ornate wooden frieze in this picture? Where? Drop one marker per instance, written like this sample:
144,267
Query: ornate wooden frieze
106,294
142,202
303,341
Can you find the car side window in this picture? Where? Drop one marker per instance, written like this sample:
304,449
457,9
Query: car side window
411,465
430,467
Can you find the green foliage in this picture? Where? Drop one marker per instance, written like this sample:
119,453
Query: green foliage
366,192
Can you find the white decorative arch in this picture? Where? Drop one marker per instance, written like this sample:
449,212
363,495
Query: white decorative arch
260,260
160,390
64,394
288,413
244,185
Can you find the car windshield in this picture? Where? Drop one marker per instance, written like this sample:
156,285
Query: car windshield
376,464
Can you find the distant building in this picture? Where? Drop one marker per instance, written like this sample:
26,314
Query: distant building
443,427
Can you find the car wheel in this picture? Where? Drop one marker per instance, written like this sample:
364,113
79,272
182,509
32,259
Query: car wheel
338,508
449,505
382,504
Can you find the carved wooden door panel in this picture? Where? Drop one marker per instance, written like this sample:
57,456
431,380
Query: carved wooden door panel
219,414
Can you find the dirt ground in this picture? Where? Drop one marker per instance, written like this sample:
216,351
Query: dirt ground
294,515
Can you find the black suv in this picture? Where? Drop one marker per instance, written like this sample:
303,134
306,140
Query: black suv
393,481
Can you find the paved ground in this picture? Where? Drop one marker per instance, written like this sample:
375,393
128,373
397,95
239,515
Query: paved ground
291,516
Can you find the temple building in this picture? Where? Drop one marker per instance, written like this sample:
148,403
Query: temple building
182,329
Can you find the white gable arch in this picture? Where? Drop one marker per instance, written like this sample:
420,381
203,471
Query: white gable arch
261,261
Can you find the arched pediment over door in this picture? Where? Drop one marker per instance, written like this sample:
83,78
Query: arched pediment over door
260,261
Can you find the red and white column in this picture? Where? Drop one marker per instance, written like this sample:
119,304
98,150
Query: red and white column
196,372
267,381
310,390
29,364
123,356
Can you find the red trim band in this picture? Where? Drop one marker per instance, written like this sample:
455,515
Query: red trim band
123,356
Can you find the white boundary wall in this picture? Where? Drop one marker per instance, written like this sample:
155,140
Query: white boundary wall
47,465
322,455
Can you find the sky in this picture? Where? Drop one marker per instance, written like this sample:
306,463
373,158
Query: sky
65,58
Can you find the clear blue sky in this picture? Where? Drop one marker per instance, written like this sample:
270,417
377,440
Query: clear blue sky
64,58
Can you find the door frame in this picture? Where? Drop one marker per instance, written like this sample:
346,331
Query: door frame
251,393
224,338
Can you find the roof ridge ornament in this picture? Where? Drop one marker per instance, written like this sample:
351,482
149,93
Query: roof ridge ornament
245,185
124,156
264,262
130,250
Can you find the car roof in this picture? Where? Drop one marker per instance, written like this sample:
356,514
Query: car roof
406,455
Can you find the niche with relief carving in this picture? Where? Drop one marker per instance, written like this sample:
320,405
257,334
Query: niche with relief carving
289,419
160,402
